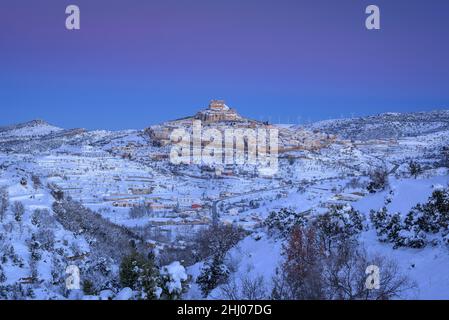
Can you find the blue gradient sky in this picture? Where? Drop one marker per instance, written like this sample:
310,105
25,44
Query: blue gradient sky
139,62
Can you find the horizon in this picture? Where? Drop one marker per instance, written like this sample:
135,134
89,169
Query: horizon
3,126
141,63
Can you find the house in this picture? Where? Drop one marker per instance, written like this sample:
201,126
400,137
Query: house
196,206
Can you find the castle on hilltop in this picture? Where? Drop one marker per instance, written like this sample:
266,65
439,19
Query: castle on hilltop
221,117
218,111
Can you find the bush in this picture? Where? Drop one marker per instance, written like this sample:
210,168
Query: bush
213,273
431,217
88,288
216,239
413,238
140,274
284,221
339,222
387,225
46,239
379,180
173,281
415,168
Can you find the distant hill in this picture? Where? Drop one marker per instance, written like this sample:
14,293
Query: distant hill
34,128
385,125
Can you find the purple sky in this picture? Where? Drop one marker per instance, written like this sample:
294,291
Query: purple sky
137,62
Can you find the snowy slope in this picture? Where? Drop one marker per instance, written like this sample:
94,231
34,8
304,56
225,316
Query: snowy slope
35,128
386,125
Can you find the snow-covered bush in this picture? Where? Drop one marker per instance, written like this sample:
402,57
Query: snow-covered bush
378,219
413,238
431,217
125,294
388,225
99,271
140,274
213,273
414,168
341,221
436,210
283,221
173,281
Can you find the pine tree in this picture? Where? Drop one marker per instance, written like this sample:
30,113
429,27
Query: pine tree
213,273
173,281
140,274
415,168
378,219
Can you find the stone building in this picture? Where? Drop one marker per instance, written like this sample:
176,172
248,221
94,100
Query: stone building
218,111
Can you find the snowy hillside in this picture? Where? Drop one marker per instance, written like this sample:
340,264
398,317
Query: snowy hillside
386,125
35,128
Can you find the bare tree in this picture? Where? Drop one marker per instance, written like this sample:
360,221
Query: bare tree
346,278
140,211
379,180
312,272
245,288
300,277
216,239
18,210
